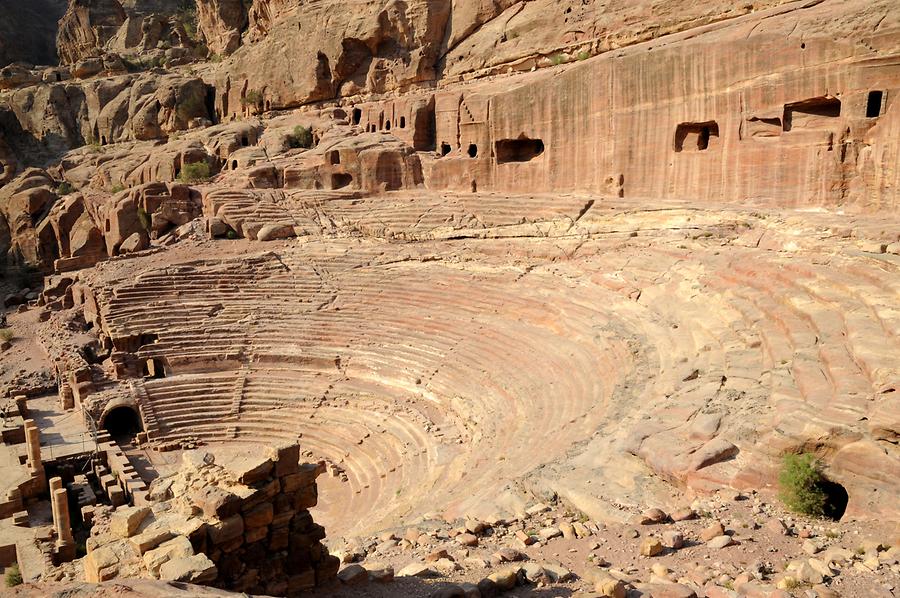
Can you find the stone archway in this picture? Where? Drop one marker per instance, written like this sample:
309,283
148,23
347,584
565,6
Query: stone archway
122,422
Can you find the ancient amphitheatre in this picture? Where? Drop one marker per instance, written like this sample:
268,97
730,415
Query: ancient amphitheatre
449,298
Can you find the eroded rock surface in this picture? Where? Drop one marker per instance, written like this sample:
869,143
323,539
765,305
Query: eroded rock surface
510,271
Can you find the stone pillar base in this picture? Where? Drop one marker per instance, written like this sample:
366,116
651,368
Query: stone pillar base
65,552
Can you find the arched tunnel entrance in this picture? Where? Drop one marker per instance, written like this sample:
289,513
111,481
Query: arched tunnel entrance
122,423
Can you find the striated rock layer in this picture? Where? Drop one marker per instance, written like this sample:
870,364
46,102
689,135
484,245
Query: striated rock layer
474,255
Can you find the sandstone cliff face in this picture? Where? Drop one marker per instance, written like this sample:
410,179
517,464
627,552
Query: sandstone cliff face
86,27
500,35
221,23
687,120
312,52
53,118
24,203
296,53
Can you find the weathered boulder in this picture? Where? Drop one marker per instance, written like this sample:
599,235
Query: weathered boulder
24,205
192,569
135,242
86,27
16,75
126,520
148,210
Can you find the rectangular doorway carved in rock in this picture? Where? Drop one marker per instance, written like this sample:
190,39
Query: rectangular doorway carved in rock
873,104
695,136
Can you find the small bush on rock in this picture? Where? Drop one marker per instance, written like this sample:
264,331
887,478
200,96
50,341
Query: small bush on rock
253,98
144,218
13,576
6,334
194,173
65,188
800,482
190,106
302,137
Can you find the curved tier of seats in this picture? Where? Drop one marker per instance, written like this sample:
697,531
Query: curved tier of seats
450,377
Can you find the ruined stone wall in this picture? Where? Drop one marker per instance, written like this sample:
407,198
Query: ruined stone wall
245,531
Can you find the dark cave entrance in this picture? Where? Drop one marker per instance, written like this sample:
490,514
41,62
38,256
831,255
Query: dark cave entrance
837,499
122,423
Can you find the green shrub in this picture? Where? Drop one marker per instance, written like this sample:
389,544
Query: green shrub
800,482
190,106
144,218
130,65
194,173
231,234
13,576
558,59
6,334
584,55
301,137
187,17
117,188
65,188
252,98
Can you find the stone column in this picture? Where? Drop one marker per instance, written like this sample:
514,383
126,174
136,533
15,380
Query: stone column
55,484
33,445
65,543
66,398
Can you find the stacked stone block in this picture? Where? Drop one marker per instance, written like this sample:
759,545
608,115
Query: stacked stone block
248,531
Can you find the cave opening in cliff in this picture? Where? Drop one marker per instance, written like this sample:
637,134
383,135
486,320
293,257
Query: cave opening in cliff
522,149
473,150
402,122
244,141
836,499
445,148
873,104
122,423
234,164
387,125
209,101
357,116
340,180
695,136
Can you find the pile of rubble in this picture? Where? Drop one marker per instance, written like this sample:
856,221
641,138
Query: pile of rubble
653,553
247,530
